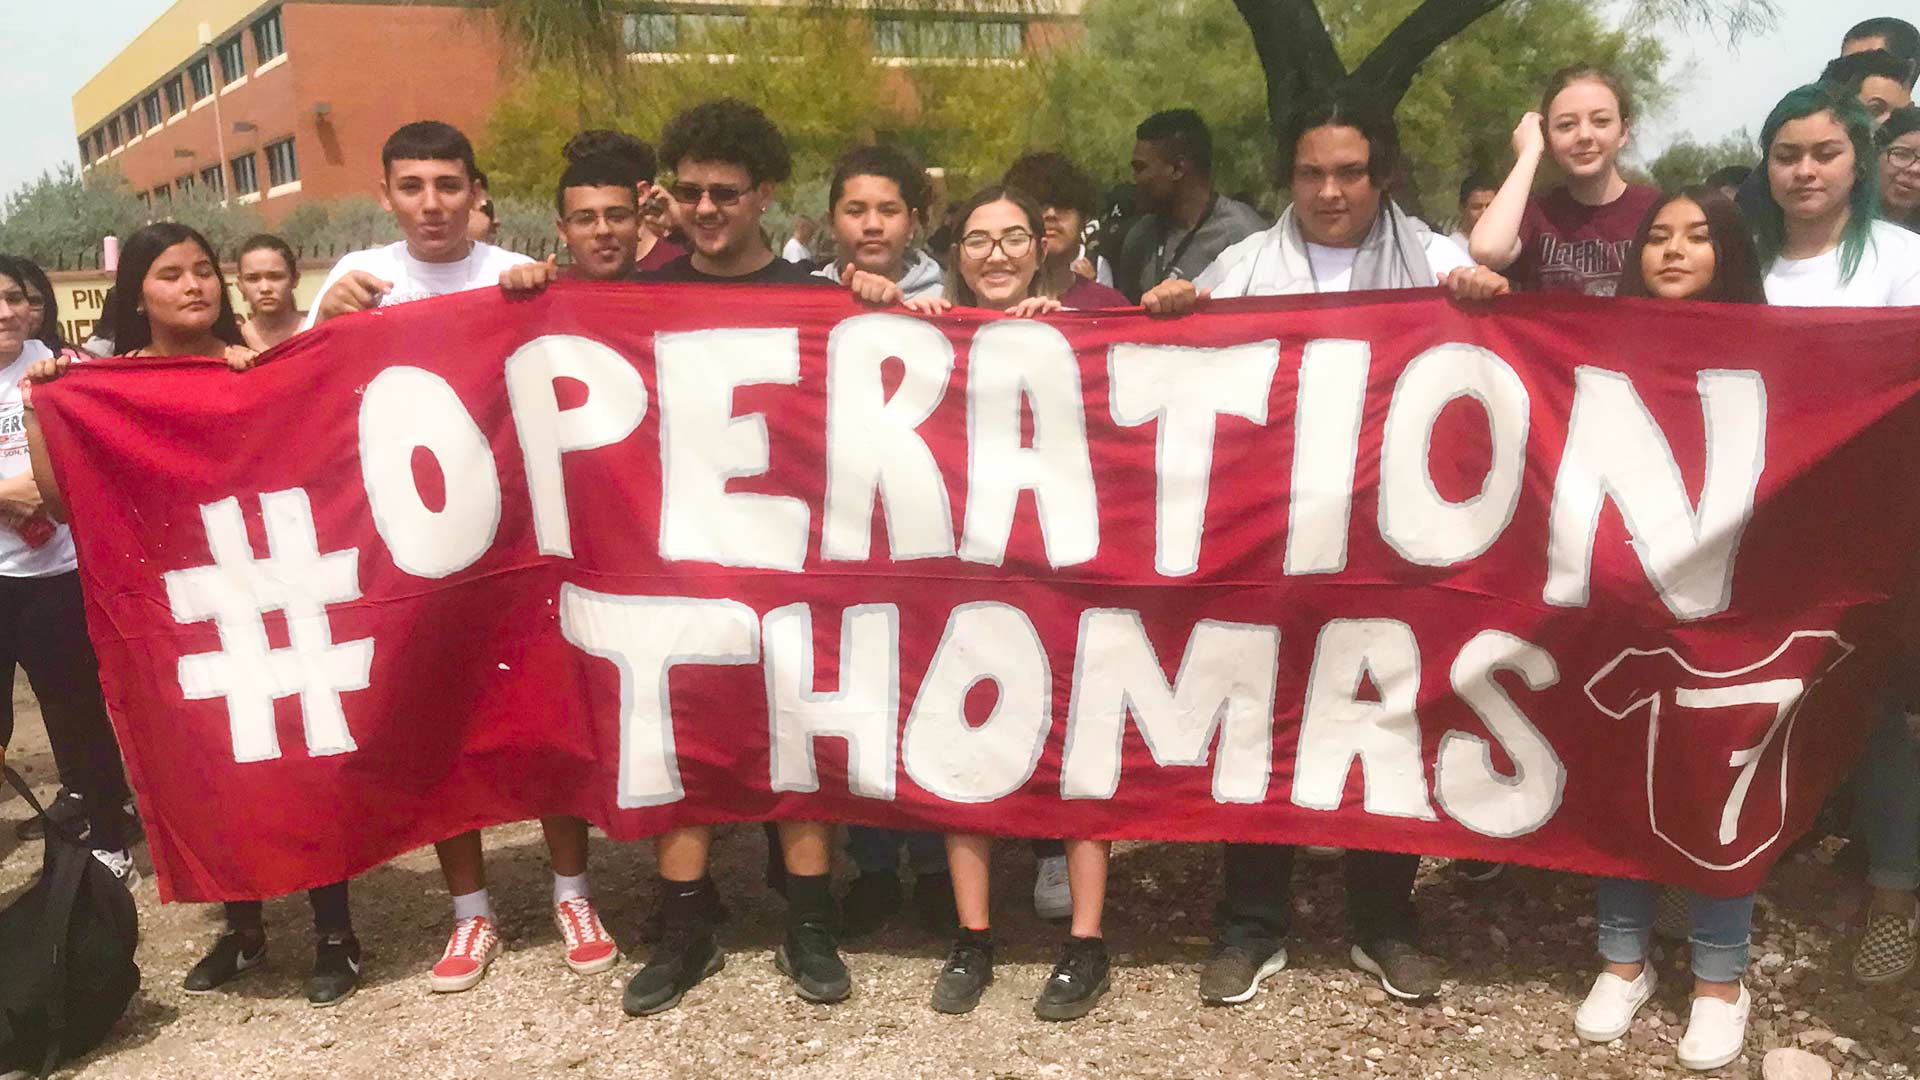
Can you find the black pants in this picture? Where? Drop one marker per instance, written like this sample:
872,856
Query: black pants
1256,896
331,916
43,628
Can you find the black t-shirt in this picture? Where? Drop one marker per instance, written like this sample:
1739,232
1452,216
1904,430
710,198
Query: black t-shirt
777,272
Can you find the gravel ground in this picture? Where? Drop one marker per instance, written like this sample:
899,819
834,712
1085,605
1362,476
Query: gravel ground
1519,951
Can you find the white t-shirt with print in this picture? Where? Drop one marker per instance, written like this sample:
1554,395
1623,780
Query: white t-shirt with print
1889,275
17,557
1333,267
416,280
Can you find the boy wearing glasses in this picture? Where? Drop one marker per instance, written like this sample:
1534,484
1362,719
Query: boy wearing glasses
727,160
599,216
427,184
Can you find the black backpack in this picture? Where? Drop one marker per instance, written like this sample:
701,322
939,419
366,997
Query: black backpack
66,954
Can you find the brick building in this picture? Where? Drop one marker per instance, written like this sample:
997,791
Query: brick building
281,101
273,102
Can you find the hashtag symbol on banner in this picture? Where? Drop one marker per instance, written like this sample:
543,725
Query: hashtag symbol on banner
238,591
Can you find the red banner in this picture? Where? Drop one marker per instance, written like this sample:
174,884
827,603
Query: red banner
1604,586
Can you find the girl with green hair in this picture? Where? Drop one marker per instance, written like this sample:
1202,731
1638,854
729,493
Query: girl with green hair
1818,229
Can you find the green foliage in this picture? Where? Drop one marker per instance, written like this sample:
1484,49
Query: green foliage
812,67
1687,162
56,220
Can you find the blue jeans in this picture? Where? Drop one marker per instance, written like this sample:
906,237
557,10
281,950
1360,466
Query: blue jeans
1888,807
878,850
1722,929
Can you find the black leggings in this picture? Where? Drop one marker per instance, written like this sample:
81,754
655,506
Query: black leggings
43,628
331,916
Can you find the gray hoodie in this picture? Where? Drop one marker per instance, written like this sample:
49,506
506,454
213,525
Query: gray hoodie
923,278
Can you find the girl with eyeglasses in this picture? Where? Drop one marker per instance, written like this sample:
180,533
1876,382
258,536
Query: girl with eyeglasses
1899,143
994,264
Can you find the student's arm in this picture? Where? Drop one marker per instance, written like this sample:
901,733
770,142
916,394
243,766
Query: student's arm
1496,239
19,499
42,475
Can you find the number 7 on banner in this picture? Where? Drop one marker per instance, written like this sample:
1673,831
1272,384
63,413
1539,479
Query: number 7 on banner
1781,694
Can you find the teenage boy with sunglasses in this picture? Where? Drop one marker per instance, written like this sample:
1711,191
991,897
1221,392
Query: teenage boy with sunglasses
728,159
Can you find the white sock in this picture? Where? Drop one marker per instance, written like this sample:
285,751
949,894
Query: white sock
567,888
472,904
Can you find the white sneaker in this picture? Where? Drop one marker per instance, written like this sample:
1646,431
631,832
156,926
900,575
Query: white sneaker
1608,1011
121,863
1716,1032
1052,897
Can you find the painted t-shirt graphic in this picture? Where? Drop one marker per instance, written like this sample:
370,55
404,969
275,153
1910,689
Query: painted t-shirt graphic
1719,743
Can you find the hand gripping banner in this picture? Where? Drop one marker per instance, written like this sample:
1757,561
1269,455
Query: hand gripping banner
1608,587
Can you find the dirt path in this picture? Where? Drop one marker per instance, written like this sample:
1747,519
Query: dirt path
1519,949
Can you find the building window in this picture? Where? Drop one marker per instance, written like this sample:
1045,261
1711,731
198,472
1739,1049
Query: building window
176,95
150,109
245,180
132,118
163,194
233,60
267,42
113,133
947,38
86,150
184,185
652,32
99,144
214,179
201,73
282,168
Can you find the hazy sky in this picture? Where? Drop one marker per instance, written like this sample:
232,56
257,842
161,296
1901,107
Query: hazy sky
51,48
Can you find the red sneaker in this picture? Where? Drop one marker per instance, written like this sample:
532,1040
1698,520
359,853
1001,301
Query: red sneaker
473,946
589,948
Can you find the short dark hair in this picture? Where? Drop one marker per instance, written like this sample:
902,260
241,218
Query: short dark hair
598,170
430,140
1054,180
125,310
1350,109
888,163
1855,68
1182,135
1476,182
606,142
1736,266
1728,176
29,275
731,131
1902,39
267,242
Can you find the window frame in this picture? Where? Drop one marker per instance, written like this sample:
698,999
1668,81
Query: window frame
175,93
203,67
215,177
268,29
150,110
245,181
277,174
232,56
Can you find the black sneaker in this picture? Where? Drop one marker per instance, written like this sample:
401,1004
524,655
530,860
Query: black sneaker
1078,981
871,900
336,970
933,904
1405,972
226,961
65,809
654,928
684,957
966,974
1234,972
811,958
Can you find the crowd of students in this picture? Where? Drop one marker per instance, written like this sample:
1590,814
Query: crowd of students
1827,218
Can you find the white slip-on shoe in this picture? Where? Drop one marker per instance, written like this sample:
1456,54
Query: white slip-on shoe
1611,1004
1716,1032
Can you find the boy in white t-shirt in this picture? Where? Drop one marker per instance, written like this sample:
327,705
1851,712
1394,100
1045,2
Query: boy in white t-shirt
428,185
